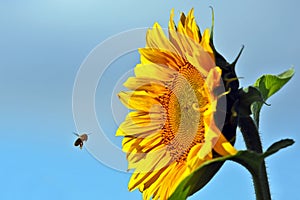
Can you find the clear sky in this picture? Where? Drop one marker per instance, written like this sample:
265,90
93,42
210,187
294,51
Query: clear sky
43,44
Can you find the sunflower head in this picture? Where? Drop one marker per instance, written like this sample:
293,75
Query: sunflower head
172,129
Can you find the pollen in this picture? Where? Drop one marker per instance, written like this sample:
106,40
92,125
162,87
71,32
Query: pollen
184,126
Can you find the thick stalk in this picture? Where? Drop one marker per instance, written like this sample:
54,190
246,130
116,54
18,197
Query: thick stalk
253,143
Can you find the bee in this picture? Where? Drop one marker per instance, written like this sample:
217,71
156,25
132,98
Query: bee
81,138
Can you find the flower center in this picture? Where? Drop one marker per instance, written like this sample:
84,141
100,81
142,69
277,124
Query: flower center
184,126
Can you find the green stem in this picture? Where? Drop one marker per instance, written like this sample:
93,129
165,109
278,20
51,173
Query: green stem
253,143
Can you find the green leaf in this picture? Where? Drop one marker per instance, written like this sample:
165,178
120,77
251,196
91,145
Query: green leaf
193,182
197,180
278,145
249,159
269,85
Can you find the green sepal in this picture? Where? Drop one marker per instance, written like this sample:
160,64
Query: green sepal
269,85
248,96
249,159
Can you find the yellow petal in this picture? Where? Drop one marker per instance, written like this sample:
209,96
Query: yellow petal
205,42
155,159
154,71
140,100
162,57
223,147
191,27
145,117
181,23
156,39
154,185
187,26
148,84
141,123
213,79
171,21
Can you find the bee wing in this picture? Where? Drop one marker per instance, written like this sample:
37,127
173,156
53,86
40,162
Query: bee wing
76,134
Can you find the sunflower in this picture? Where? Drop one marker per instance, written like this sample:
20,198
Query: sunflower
171,129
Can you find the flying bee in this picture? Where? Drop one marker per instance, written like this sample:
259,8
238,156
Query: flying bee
81,138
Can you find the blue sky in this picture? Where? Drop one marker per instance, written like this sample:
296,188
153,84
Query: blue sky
43,44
